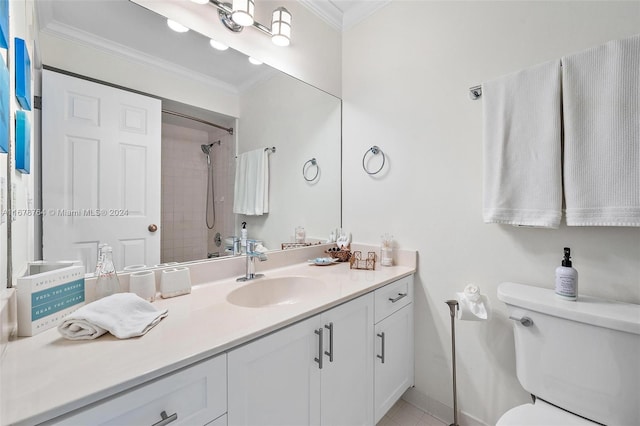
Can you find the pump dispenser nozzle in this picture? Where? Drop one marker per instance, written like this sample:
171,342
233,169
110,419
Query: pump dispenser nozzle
566,261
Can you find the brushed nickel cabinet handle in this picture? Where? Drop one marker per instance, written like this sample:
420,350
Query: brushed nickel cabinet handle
400,296
166,419
381,356
330,352
320,334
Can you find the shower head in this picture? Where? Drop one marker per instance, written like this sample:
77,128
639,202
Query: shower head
206,148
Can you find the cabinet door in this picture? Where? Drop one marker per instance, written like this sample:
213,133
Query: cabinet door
274,380
393,359
347,374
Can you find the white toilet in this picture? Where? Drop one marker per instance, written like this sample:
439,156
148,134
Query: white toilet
581,360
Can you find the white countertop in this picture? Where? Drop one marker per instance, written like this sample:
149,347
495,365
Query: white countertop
46,375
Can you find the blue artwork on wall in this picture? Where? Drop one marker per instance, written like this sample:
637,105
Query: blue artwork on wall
4,23
23,142
23,74
4,107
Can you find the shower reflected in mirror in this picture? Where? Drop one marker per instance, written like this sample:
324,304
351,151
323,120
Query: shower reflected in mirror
211,208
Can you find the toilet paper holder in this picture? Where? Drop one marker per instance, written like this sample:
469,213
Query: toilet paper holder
453,310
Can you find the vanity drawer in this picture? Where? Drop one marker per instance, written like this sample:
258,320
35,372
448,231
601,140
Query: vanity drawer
390,298
195,395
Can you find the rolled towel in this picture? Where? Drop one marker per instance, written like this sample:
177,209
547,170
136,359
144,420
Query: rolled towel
472,292
472,305
124,315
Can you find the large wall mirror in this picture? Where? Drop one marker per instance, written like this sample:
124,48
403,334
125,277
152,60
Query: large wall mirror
245,107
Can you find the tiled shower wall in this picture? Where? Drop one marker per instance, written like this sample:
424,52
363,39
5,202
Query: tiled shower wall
184,233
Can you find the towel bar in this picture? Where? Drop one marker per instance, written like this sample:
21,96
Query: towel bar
475,92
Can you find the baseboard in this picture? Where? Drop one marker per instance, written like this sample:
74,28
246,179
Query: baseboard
439,410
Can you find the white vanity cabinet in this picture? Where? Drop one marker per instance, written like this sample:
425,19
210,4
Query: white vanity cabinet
196,395
318,371
394,343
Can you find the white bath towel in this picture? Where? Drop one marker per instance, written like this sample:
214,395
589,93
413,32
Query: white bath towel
251,191
601,95
522,148
122,314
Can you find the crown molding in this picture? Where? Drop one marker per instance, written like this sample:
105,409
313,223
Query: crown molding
361,11
342,21
60,30
326,11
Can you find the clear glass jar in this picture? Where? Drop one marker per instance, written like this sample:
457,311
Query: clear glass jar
107,282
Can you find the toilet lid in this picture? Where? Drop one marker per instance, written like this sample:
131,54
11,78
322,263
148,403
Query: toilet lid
539,414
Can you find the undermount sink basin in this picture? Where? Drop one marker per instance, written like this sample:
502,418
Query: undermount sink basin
276,291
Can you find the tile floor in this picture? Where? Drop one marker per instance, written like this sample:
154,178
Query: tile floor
405,414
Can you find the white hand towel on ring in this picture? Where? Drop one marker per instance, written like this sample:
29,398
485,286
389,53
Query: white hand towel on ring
472,305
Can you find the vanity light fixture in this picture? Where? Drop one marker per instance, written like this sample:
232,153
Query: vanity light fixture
281,27
217,45
176,26
240,14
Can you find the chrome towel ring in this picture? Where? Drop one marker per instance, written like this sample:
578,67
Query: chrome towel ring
375,150
305,169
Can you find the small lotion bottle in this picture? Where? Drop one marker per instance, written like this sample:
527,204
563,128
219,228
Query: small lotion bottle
567,278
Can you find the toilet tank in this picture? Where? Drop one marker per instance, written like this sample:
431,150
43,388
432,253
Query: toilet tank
582,356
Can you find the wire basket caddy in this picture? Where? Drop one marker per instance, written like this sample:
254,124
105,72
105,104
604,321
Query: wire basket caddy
368,263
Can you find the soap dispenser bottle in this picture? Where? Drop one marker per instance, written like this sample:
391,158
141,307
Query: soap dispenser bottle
107,282
243,237
566,278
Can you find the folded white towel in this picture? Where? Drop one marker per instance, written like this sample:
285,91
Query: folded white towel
251,190
601,92
123,314
522,148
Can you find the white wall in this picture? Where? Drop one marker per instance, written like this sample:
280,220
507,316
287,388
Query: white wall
22,24
90,61
302,123
406,74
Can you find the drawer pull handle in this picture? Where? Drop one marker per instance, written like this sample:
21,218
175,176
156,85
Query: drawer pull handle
400,296
166,419
329,353
381,356
320,357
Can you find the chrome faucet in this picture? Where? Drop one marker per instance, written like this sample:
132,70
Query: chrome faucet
252,255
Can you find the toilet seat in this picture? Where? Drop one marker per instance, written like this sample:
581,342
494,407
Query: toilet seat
541,414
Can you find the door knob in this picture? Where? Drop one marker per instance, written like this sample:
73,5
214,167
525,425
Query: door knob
153,227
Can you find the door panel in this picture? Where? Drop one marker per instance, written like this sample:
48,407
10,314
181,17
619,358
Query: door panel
100,172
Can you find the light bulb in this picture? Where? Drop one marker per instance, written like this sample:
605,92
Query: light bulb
217,45
177,27
255,61
281,27
200,1
242,12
